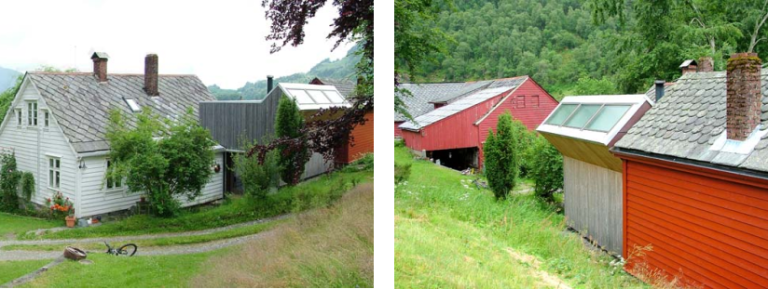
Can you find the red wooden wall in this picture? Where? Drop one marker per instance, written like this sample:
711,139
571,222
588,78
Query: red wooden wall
398,132
363,142
709,229
460,131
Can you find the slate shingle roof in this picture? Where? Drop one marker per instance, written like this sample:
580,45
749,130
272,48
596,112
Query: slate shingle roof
424,95
344,86
689,118
81,105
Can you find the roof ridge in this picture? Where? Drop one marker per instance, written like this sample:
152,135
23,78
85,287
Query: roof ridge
109,74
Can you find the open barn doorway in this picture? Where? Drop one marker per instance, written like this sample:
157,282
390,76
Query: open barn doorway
458,159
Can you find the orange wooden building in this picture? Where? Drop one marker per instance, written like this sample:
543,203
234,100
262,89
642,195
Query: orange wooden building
362,135
695,180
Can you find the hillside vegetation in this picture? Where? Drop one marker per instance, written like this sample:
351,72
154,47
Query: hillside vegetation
583,47
7,78
343,68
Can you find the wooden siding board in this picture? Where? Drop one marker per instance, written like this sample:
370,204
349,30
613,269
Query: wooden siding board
229,121
594,207
716,228
362,139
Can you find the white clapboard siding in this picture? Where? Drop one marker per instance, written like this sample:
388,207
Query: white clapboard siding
32,145
96,199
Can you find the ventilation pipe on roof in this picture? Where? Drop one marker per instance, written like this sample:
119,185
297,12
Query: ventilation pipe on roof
150,75
743,95
659,89
270,80
100,65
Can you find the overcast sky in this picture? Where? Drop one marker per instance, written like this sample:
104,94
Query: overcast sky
221,41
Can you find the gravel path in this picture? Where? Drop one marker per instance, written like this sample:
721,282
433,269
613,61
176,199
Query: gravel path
167,250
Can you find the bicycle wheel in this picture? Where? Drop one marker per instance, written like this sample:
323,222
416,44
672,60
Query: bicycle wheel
128,250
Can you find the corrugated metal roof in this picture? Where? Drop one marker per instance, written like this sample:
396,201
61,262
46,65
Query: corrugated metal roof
313,97
455,107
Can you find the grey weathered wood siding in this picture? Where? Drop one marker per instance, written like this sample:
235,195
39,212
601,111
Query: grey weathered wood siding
593,202
230,121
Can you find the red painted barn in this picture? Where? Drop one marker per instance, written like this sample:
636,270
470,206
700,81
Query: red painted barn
454,133
695,179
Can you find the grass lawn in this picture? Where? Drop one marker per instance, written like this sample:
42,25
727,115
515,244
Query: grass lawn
450,234
159,242
9,271
137,272
313,193
12,224
325,247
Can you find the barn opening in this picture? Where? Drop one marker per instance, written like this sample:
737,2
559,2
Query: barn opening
458,159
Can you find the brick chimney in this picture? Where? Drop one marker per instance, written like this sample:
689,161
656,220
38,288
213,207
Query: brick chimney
706,64
688,66
100,65
744,97
150,75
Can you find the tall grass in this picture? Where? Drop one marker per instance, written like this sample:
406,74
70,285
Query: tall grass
324,247
439,208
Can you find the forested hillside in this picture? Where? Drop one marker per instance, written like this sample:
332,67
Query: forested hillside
581,47
343,68
7,78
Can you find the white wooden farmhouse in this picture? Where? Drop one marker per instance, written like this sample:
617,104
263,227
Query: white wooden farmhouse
57,121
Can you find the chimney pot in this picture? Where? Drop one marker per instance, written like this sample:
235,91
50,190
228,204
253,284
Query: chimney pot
688,66
100,65
659,89
706,64
150,75
270,83
744,96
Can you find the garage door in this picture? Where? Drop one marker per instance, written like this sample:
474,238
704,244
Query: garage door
706,231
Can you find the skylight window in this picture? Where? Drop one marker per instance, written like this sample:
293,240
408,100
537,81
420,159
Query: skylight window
302,96
318,96
582,115
335,97
133,105
607,117
561,114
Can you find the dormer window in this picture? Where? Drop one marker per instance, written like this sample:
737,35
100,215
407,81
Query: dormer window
32,113
46,118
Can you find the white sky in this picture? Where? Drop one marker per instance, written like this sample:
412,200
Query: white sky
222,41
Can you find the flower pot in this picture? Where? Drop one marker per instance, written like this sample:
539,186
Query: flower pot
70,221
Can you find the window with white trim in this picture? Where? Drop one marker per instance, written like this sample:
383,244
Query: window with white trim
54,172
32,113
46,118
18,116
113,183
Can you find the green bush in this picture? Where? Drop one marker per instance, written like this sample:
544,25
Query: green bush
523,146
402,172
288,123
362,164
547,169
9,184
502,157
258,179
27,185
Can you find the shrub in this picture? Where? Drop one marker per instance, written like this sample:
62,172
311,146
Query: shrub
289,123
523,146
547,169
9,184
402,172
27,185
258,178
501,157
364,163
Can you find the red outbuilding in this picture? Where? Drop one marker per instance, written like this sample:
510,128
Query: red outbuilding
453,133
695,180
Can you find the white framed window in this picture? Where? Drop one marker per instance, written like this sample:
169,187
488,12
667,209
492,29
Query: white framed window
18,116
54,172
46,118
113,183
32,113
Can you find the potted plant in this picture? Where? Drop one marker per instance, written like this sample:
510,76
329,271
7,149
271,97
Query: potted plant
62,207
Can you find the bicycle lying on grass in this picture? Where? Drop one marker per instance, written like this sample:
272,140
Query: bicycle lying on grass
126,250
